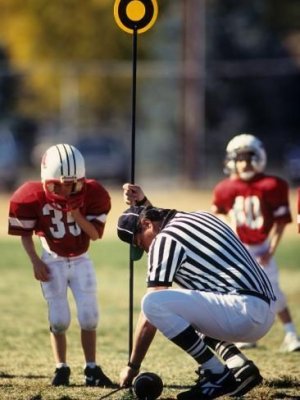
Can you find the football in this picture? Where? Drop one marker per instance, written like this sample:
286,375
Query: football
148,386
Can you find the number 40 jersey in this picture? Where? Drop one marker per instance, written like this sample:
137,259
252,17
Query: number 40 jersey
253,206
31,213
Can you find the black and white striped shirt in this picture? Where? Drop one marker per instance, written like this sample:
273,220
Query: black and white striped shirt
198,251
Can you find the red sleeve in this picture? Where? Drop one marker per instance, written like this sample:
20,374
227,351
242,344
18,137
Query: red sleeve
23,208
222,198
279,201
98,205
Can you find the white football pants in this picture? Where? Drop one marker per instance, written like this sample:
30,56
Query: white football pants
78,274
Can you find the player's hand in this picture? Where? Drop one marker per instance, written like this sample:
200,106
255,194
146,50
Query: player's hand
126,376
41,271
132,193
75,201
75,212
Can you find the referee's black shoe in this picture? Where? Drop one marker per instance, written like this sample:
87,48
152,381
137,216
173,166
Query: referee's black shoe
210,386
61,376
246,377
96,377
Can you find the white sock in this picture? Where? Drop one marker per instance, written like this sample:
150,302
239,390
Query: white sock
60,365
236,361
91,364
289,328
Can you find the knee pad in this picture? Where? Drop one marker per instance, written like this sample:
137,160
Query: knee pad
88,315
281,302
59,326
59,315
58,329
149,306
89,324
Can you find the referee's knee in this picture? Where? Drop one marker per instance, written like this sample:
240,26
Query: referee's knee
151,305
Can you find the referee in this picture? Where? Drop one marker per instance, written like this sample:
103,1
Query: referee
224,296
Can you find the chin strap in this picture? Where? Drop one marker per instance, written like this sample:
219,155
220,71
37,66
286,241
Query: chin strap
68,204
247,175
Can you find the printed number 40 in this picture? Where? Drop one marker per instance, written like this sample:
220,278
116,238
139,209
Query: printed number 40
247,211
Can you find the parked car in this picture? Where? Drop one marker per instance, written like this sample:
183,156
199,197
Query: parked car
106,158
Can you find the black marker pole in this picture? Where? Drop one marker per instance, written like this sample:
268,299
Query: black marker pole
134,17
133,130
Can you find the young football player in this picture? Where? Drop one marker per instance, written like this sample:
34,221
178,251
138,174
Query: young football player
66,211
258,209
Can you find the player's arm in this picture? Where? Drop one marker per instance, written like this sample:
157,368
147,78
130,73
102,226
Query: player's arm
97,207
215,210
87,226
40,269
280,204
221,206
143,337
275,238
134,195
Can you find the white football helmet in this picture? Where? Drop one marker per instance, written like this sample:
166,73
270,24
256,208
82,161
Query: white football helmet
245,143
63,163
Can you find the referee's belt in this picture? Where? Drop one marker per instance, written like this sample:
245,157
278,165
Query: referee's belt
255,294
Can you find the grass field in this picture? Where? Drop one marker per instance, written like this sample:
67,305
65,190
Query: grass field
26,363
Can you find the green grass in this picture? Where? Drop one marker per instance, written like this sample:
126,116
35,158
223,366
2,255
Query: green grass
26,363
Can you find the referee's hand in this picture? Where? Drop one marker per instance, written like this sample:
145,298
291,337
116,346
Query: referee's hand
126,376
132,194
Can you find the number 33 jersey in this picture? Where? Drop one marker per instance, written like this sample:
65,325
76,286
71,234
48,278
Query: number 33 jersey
30,212
253,206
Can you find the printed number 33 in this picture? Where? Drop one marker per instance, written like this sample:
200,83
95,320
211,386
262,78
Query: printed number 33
59,227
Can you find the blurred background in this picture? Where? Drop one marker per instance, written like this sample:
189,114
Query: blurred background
207,70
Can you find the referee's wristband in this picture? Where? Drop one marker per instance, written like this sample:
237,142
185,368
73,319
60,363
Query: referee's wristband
133,366
141,202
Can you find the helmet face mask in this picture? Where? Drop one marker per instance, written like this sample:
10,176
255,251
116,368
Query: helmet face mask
246,148
57,187
63,176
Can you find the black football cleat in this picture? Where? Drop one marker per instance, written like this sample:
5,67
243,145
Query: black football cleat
96,377
246,377
61,376
210,386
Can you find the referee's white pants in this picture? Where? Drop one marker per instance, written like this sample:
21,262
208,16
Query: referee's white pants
232,318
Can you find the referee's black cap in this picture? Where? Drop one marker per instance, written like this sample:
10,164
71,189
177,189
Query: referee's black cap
128,227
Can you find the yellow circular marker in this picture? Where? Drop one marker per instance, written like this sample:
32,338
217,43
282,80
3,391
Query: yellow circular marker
135,15
135,10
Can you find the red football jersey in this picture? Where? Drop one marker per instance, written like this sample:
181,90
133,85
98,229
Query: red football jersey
254,205
30,213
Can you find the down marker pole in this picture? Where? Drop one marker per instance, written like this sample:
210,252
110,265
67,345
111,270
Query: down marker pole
134,17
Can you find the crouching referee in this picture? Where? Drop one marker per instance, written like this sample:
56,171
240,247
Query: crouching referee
224,296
